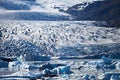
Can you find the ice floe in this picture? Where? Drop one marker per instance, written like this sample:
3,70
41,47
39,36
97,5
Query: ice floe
110,76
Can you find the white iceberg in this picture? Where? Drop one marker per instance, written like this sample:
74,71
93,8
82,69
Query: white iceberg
22,74
57,71
20,64
17,65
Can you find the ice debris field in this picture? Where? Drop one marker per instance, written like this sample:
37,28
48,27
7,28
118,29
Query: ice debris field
102,69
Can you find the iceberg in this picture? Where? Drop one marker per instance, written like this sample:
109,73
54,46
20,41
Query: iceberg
20,64
64,70
104,62
110,76
57,71
50,66
22,75
17,65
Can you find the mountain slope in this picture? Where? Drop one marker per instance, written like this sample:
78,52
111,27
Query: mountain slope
37,9
29,10
108,10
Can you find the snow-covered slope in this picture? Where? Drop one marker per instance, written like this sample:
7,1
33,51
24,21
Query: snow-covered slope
62,4
42,5
57,38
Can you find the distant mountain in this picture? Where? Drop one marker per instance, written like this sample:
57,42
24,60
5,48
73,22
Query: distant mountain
108,10
33,16
28,10
37,9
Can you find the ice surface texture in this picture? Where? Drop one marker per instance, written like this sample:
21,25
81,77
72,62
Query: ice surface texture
58,38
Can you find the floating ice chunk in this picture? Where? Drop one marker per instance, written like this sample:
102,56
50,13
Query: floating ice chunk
57,71
49,73
22,66
64,70
106,60
109,76
18,65
50,66
3,64
99,65
115,77
23,74
14,64
111,66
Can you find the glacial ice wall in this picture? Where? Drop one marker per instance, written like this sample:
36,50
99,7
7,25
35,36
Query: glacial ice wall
70,38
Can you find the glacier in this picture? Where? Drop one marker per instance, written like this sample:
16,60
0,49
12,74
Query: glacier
39,40
62,38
